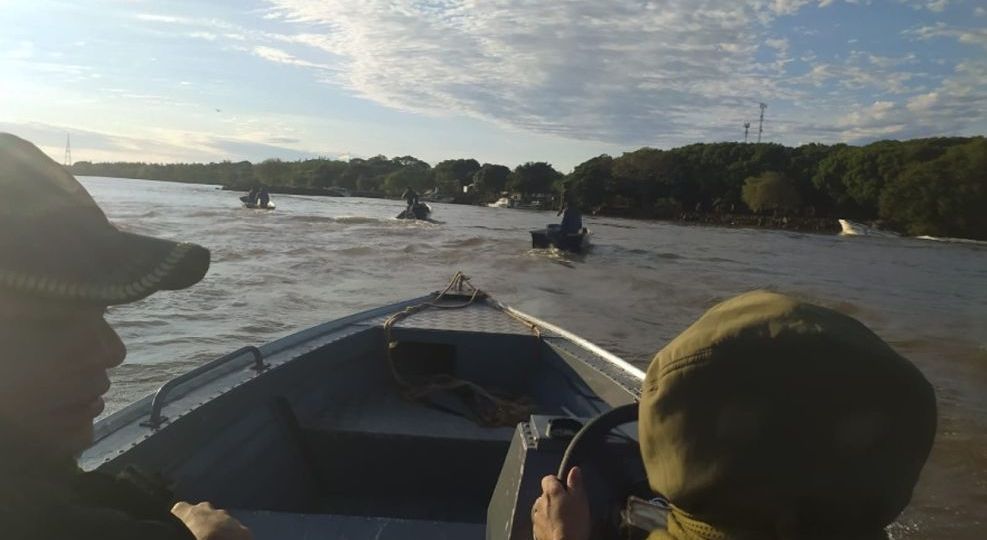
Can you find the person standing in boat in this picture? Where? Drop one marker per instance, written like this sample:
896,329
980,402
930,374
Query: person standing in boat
771,418
410,197
572,219
63,264
263,197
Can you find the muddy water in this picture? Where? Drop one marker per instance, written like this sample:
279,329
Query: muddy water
315,259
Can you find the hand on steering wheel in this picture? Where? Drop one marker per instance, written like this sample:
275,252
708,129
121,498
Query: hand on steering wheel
599,515
562,512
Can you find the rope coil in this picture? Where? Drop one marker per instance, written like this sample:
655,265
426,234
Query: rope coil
491,410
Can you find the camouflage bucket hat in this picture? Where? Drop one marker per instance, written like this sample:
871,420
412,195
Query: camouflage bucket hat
770,415
56,243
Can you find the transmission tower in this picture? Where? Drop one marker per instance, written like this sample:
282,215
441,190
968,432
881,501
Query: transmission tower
760,124
747,128
68,151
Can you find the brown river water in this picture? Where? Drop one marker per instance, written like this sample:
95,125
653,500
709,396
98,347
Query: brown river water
315,259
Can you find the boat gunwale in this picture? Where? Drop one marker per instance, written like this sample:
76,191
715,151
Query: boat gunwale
617,361
140,409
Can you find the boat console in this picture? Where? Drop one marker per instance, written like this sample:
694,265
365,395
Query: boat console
612,471
621,504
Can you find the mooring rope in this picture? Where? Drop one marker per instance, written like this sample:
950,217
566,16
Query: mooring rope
491,410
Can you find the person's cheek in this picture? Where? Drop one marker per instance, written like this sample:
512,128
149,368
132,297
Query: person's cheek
21,376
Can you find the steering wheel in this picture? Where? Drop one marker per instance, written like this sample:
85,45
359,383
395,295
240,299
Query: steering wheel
588,448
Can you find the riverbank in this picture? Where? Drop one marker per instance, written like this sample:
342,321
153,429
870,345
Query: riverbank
313,192
788,223
827,225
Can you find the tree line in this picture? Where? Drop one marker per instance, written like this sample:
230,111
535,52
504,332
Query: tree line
935,186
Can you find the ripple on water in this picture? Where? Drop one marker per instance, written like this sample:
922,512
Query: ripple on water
465,242
355,251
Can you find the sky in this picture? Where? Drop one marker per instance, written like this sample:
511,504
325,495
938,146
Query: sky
502,81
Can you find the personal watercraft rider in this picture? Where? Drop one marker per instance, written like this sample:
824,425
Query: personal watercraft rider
771,418
251,197
63,264
410,197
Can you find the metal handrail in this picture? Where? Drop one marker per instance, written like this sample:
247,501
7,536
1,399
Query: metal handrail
158,403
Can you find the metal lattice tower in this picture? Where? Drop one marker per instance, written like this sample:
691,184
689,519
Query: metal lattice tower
760,124
747,127
68,151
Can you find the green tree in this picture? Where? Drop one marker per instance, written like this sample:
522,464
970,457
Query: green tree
771,191
491,179
923,186
647,174
802,168
946,196
370,183
452,174
327,173
272,171
591,182
534,177
415,176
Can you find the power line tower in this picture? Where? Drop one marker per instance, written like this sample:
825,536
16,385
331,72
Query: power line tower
68,151
747,128
760,124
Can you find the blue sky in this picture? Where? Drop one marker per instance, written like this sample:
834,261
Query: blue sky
504,81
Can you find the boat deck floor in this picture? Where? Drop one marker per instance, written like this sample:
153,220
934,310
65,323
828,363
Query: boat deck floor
388,413
270,525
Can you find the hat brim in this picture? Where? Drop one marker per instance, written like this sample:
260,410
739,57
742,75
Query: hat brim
113,268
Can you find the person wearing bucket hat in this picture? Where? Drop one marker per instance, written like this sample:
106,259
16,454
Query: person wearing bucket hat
61,264
777,419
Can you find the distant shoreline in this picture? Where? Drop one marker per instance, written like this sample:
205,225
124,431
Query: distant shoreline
783,223
819,225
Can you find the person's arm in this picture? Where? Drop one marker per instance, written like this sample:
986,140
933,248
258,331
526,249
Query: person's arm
562,512
79,522
71,522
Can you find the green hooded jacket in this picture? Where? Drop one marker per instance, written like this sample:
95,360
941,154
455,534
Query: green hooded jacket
771,418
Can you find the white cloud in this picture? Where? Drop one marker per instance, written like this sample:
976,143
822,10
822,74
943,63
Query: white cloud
968,36
169,19
626,72
937,5
211,28
858,74
23,50
158,144
886,62
787,7
590,70
980,11
274,55
208,36
868,115
923,102
780,44
954,107
282,57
